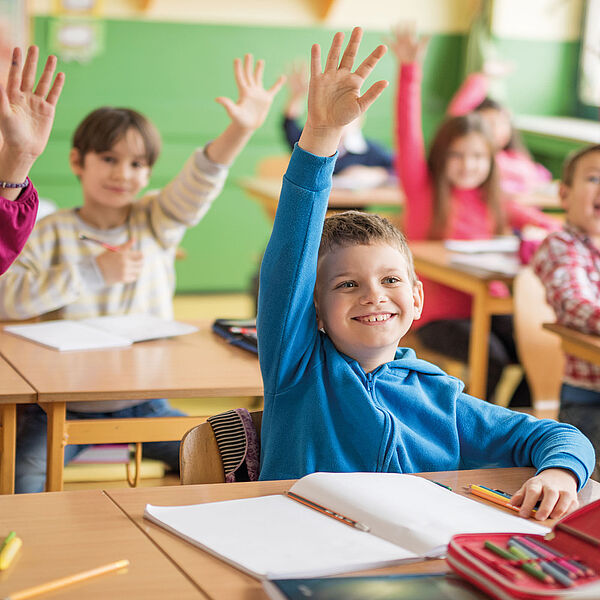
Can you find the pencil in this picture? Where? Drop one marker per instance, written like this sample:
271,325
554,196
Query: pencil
582,535
64,581
86,238
495,498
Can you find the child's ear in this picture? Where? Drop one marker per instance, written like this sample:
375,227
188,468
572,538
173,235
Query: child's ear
316,302
563,193
76,162
418,299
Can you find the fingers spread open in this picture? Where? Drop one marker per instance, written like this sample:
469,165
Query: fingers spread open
351,49
277,85
29,69
248,61
240,76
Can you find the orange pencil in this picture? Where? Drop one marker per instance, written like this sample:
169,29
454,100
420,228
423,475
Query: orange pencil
494,498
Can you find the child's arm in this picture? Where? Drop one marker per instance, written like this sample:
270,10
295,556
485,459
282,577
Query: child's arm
563,456
26,116
287,326
569,290
411,163
470,95
186,199
25,122
519,216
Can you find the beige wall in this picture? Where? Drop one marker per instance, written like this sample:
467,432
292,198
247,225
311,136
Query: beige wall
430,15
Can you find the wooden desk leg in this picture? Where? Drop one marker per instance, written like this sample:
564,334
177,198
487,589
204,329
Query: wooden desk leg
56,413
8,418
478,345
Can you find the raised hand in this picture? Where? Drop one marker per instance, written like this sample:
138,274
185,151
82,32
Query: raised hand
406,45
26,115
334,98
297,83
254,101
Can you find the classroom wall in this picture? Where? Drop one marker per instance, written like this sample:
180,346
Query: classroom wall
172,71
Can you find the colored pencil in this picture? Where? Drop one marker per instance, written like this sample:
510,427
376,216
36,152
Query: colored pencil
64,581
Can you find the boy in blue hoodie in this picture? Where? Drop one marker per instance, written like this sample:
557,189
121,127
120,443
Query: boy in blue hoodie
335,300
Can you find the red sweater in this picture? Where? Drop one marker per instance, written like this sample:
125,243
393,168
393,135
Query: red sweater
17,218
470,217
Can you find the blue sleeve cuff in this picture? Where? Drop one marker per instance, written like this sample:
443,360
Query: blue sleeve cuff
310,171
569,463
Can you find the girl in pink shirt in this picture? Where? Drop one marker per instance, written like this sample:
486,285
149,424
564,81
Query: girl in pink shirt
518,173
453,193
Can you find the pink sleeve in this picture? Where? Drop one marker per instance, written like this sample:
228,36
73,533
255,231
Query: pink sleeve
519,215
17,218
411,164
469,96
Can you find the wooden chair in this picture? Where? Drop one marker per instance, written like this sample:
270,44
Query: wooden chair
200,459
273,166
539,350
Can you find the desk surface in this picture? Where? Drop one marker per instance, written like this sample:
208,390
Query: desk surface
198,364
68,532
577,343
219,581
14,388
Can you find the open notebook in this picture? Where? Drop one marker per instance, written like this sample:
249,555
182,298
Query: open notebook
276,537
99,332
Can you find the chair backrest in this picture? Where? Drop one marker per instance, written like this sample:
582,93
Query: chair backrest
539,350
200,458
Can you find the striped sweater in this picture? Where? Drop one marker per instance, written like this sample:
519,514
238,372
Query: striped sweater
56,275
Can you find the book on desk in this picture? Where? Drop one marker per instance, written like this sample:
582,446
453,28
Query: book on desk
375,520
99,332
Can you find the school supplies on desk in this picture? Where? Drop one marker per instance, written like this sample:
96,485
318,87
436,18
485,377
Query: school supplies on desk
407,518
494,496
426,586
503,243
564,564
238,332
100,332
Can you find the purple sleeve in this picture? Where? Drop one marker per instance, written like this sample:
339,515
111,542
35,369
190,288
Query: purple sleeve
17,218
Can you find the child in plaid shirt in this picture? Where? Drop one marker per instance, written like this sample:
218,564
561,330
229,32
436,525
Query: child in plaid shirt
568,263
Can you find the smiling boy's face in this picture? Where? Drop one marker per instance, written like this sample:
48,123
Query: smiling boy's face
581,199
366,300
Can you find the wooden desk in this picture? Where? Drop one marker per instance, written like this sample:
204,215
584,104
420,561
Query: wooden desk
199,364
219,581
582,345
433,261
70,532
266,191
13,390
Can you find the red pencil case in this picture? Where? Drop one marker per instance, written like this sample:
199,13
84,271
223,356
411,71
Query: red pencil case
503,579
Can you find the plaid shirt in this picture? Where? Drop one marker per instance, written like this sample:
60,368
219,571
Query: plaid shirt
568,263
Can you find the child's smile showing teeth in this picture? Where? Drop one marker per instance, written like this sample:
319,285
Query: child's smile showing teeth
371,319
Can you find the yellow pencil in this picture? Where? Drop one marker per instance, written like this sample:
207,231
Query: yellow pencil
64,581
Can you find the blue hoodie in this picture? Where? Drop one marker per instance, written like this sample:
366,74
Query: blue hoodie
324,413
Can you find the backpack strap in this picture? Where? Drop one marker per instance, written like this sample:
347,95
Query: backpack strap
238,444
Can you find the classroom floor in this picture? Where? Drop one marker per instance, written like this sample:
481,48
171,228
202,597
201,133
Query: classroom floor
212,306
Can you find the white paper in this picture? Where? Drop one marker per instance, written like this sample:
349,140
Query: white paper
277,537
494,262
99,332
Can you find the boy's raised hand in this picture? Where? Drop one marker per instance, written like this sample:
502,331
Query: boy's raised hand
254,102
334,98
27,114
406,45
121,266
555,488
